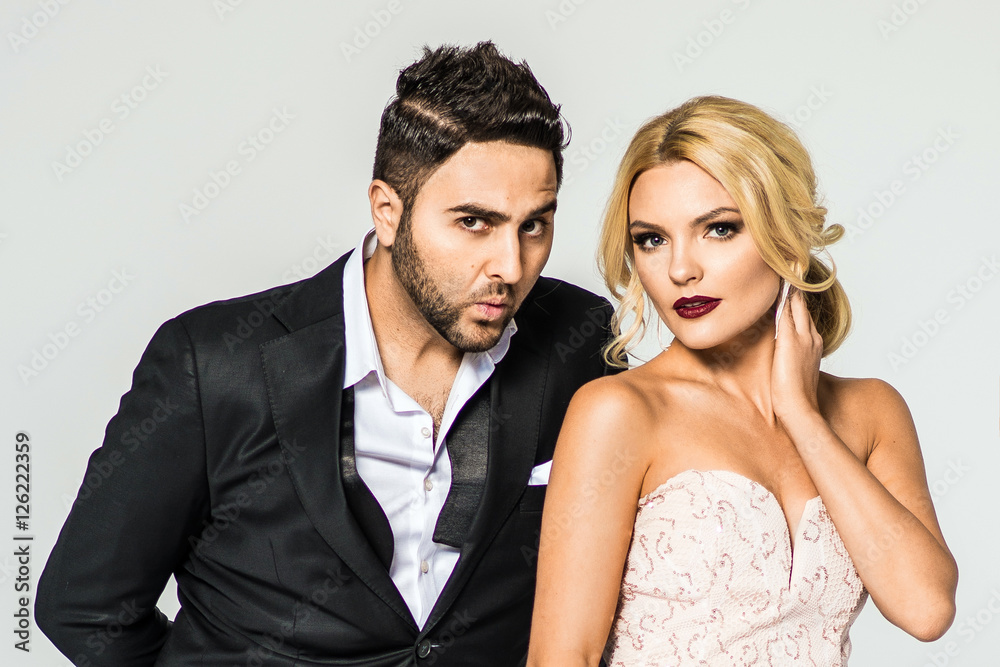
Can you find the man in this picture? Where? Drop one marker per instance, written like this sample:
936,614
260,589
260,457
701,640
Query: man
350,470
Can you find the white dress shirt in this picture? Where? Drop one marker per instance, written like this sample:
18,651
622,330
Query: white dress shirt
408,473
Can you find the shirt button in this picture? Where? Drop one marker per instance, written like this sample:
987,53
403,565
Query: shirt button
426,432
424,566
428,485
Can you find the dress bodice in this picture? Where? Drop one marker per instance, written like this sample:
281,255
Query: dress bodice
710,579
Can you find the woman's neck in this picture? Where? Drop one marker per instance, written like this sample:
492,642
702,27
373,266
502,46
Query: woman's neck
741,367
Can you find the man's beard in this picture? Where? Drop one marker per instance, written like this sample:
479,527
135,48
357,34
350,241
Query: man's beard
444,315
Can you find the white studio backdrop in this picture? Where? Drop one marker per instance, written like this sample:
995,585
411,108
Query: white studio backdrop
156,156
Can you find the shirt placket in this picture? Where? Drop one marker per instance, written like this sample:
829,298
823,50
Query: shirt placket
426,487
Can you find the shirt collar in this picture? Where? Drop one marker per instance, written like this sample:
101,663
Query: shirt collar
362,356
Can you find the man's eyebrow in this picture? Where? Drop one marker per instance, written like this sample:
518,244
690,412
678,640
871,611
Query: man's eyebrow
548,207
474,209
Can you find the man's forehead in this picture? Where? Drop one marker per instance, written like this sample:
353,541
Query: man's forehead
496,174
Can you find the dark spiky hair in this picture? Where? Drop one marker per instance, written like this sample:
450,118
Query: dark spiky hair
453,96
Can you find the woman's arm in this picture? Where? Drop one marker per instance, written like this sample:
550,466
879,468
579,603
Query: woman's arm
883,511
590,508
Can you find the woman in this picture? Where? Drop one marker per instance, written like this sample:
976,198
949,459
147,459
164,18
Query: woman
726,503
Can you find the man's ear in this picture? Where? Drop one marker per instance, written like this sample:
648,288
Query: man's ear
387,209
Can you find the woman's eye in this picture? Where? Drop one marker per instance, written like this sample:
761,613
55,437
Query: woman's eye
650,241
722,231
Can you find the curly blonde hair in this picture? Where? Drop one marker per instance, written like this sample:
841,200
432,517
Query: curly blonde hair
766,170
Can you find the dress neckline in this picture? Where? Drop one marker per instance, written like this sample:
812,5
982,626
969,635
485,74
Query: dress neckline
791,537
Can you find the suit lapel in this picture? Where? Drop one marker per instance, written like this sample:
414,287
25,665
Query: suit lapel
304,373
516,392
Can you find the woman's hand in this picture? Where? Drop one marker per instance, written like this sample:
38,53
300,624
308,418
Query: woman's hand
795,368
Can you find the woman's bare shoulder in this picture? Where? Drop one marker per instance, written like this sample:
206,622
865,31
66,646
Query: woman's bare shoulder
610,415
868,405
620,394
860,393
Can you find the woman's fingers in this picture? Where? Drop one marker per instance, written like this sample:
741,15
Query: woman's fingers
800,315
785,321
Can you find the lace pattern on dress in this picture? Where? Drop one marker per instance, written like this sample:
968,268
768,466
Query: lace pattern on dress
710,579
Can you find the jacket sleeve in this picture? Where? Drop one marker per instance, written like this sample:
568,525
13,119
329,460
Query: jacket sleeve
143,498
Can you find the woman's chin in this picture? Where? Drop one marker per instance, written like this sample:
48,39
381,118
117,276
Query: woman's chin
713,344
698,343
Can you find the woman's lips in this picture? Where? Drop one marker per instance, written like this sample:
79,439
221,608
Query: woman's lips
690,307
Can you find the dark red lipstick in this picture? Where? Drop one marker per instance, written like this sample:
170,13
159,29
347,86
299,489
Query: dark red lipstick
691,307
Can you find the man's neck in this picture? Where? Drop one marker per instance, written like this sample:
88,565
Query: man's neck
414,355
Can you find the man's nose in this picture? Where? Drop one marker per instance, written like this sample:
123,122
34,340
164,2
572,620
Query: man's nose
504,262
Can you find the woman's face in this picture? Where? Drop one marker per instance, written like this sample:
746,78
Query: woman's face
695,257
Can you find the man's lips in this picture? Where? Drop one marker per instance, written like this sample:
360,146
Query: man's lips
493,308
695,306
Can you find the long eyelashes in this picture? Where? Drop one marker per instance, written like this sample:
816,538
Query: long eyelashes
730,230
720,231
641,241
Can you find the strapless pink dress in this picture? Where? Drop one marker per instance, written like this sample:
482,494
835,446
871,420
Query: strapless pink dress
710,579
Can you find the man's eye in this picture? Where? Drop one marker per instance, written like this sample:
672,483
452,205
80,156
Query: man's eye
534,227
473,223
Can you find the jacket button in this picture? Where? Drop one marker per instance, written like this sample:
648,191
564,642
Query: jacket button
424,648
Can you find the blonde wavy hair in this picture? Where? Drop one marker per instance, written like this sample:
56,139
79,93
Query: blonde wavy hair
766,170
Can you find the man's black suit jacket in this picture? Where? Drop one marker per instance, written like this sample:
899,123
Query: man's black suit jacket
223,467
